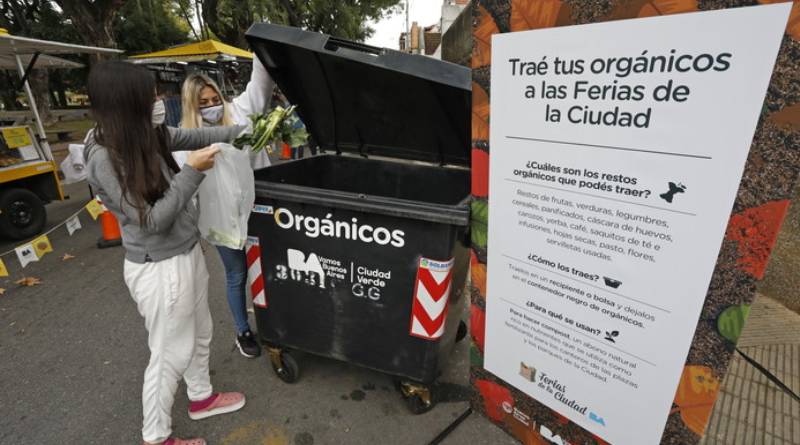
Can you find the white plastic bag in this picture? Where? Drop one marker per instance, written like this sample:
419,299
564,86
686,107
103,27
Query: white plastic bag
226,197
73,166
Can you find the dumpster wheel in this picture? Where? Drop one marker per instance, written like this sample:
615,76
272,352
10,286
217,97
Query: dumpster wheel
419,398
284,365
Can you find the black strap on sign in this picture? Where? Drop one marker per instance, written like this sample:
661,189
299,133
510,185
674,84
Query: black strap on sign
450,428
769,375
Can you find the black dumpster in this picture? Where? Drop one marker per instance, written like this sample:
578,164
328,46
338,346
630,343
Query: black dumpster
363,250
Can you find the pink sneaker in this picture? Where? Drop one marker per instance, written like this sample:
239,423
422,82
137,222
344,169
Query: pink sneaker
218,403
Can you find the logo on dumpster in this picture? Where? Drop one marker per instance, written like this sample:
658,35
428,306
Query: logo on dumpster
266,210
302,268
298,262
314,227
432,290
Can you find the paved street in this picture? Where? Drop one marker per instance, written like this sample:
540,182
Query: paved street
73,352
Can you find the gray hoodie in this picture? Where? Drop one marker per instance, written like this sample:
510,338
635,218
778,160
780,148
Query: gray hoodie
170,226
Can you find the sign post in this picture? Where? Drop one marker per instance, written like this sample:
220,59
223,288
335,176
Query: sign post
617,156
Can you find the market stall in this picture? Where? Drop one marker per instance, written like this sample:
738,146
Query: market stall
209,56
28,172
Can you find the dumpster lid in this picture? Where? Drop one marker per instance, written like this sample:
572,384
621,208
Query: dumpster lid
371,101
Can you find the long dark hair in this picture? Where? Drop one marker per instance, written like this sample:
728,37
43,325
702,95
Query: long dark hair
122,97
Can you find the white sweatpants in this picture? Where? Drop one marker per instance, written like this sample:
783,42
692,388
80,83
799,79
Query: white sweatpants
172,296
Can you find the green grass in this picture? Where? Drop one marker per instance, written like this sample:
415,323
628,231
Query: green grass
76,128
80,125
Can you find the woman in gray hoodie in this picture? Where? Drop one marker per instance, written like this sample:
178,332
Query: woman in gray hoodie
130,167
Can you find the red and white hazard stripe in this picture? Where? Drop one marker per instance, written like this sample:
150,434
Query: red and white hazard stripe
254,274
431,293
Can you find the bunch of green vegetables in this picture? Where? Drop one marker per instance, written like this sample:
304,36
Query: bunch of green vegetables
280,125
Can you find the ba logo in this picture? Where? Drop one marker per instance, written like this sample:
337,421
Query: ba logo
597,419
300,263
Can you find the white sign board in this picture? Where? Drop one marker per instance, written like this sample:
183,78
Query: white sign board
616,153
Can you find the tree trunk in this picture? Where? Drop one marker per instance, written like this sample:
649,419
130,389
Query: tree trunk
189,23
94,21
57,89
200,11
40,87
209,17
230,27
62,97
9,95
291,13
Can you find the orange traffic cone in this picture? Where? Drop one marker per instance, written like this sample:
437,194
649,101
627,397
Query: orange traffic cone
286,152
111,234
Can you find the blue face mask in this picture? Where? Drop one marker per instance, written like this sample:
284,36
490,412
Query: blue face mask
213,115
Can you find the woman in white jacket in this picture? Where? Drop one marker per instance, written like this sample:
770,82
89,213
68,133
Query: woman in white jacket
204,106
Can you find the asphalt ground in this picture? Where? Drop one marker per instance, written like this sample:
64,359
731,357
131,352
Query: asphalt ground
73,352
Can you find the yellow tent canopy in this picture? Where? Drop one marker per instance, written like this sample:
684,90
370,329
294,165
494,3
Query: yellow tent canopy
194,52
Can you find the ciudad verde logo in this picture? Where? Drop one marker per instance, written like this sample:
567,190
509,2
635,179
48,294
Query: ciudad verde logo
314,227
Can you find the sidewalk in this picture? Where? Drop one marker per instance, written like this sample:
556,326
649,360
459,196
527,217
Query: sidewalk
751,409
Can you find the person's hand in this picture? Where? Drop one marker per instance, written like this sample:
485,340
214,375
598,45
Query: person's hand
203,159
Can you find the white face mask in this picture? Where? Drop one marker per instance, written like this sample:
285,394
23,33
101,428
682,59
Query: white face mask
159,113
212,115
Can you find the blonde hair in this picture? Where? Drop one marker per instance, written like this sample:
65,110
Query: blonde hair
190,98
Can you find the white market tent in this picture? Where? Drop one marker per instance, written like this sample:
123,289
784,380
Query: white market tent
19,52
9,62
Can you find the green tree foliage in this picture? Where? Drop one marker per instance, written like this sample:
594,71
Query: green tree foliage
38,19
230,19
133,25
149,25
92,19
